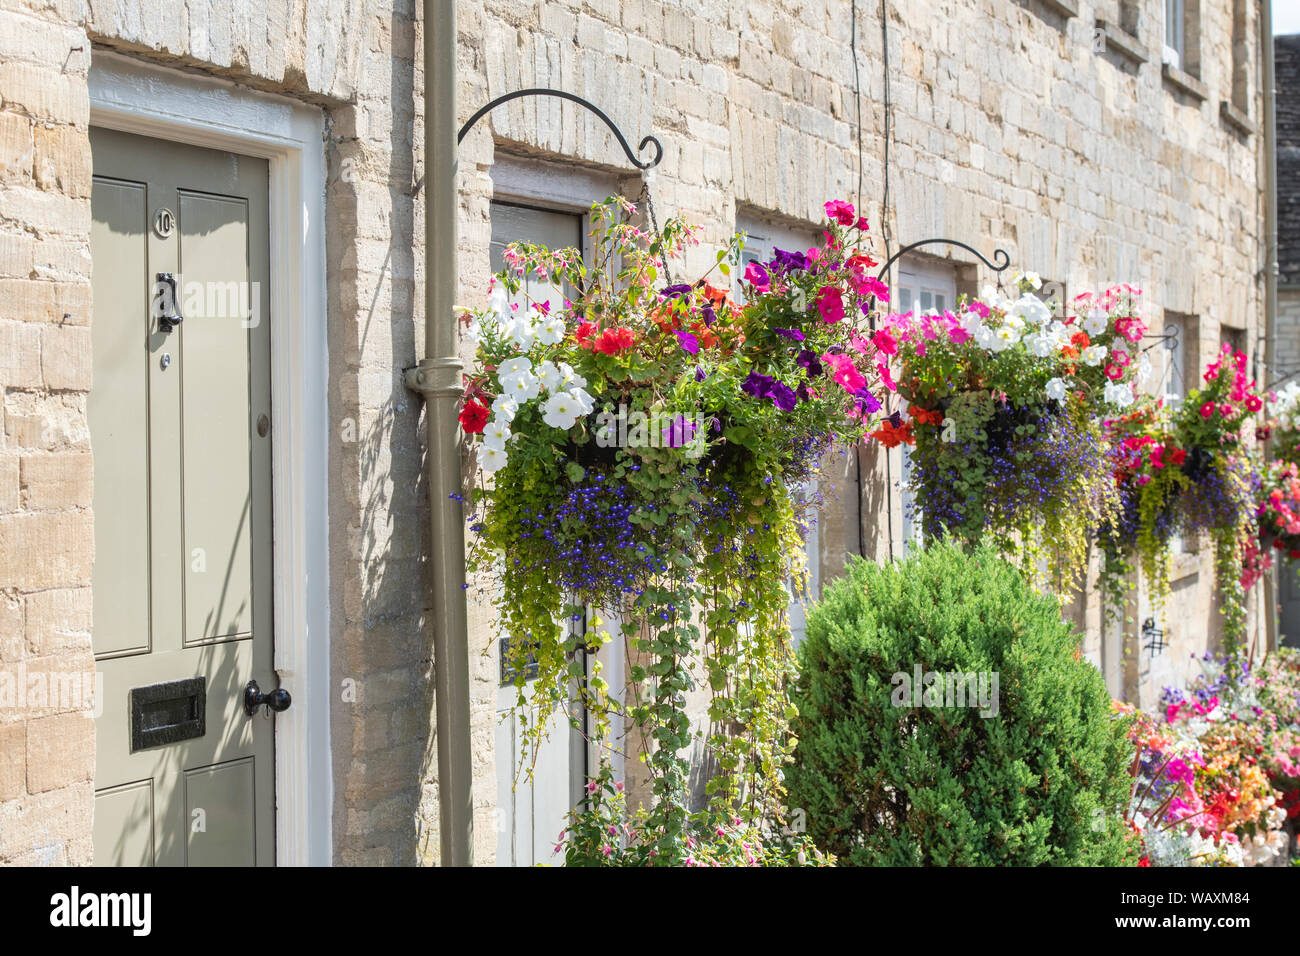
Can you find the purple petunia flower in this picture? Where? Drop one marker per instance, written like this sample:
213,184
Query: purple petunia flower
688,341
680,431
809,361
757,384
788,261
783,396
866,401
673,291
790,334
709,315
700,374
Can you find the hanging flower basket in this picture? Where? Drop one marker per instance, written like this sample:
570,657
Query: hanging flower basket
1005,401
1181,472
638,439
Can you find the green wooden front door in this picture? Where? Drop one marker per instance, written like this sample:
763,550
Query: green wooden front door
179,424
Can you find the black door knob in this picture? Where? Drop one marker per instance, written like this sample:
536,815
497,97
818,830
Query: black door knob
277,700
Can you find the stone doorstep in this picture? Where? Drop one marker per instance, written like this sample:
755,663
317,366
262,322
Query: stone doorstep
1238,119
1122,42
1184,81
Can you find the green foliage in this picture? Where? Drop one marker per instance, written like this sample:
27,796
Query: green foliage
1042,782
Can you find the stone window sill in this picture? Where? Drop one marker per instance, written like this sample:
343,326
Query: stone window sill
1066,8
1122,42
1185,82
1236,118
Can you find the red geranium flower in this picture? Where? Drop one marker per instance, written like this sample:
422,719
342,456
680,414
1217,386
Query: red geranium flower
473,418
614,340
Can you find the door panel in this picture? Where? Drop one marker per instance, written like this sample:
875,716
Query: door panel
118,412
222,798
182,504
216,410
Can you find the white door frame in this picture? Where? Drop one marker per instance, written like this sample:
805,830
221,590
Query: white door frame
128,95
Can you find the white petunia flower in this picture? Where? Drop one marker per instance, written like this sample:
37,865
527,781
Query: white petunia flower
1030,308
985,338
551,330
585,402
1144,369
1004,336
569,378
522,387
499,302
561,410
1121,396
496,434
551,378
1094,323
1056,389
1040,344
971,322
492,459
505,408
1094,355
515,366
1033,278
521,333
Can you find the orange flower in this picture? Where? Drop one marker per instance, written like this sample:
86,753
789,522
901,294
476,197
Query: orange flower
892,437
926,416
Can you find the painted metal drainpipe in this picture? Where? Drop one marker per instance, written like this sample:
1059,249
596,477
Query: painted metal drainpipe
438,379
1270,260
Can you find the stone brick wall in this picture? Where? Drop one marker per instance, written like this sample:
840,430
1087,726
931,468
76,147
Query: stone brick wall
1009,129
46,530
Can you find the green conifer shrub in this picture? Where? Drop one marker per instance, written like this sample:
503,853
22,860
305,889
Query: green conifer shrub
1044,781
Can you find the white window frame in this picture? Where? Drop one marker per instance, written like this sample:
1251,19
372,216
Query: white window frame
1174,381
133,97
1174,49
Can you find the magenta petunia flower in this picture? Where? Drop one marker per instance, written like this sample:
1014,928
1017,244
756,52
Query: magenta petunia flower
756,275
885,342
830,303
841,211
